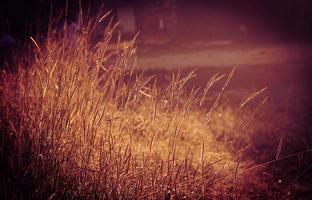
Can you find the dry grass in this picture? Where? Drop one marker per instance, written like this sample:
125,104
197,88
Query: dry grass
80,123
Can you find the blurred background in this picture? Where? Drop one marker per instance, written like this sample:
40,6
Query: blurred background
271,38
179,28
270,41
222,19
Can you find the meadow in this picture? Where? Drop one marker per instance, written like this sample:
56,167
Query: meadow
79,121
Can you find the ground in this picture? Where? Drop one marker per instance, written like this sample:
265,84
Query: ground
284,68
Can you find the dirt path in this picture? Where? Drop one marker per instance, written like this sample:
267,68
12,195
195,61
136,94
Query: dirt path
223,54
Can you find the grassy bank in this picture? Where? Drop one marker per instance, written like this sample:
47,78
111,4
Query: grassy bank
82,123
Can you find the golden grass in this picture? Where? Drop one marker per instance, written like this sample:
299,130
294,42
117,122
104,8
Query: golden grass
82,124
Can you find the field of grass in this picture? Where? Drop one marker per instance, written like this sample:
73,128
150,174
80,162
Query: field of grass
82,123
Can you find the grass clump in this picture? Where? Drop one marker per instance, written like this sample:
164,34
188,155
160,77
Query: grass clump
81,123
